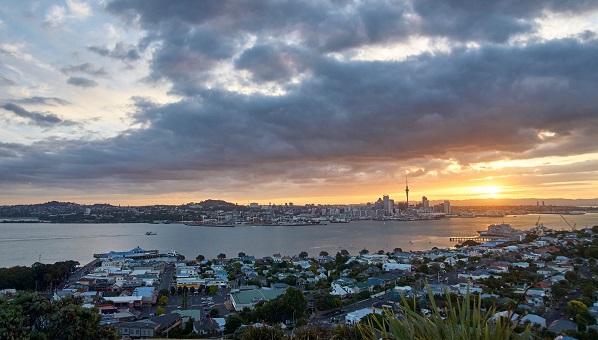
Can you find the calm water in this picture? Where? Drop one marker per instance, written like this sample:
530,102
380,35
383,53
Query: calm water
24,244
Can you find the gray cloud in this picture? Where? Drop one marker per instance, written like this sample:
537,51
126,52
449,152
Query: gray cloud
4,81
272,63
344,117
82,82
86,68
37,118
121,51
36,100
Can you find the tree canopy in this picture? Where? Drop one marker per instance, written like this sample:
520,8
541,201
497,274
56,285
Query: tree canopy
31,316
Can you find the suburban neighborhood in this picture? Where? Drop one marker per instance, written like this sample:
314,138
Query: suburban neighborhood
547,279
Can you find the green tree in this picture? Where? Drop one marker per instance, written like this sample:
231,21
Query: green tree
160,311
233,322
242,254
214,312
200,258
580,313
188,326
259,333
324,253
303,255
325,301
162,300
32,316
364,251
221,256
294,302
291,280
213,290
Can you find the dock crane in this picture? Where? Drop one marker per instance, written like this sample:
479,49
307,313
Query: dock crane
538,221
569,224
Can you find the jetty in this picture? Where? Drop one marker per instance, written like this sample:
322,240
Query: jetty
472,238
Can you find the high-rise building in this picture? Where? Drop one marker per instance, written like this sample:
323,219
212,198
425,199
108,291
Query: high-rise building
447,207
407,191
425,202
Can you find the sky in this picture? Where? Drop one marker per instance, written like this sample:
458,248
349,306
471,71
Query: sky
170,102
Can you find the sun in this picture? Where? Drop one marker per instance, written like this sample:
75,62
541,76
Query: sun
488,191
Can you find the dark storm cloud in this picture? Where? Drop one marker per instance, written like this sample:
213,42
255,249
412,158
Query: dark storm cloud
85,68
495,21
272,63
469,103
82,82
36,100
43,119
189,54
121,51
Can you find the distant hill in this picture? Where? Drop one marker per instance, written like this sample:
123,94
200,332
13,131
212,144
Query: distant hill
214,204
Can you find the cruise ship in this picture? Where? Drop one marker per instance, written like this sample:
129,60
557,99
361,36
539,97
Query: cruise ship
501,230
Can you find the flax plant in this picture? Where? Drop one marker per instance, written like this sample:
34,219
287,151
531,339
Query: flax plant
463,321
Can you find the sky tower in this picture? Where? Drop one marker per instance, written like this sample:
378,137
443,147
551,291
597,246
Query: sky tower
407,191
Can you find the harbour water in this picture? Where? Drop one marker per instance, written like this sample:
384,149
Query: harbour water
26,243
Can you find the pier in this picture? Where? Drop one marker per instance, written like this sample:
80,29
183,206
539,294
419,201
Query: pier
472,238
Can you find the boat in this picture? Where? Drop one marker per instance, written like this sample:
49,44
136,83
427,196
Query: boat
150,233
501,230
339,220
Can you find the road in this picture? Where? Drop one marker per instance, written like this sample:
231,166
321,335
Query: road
329,319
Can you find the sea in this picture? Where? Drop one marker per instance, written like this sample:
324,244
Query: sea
22,244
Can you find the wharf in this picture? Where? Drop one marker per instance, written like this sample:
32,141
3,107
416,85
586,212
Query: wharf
472,238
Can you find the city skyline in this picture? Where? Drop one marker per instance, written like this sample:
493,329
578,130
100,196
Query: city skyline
161,102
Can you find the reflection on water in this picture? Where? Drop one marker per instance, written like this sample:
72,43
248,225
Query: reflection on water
22,244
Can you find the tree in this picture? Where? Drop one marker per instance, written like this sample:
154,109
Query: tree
221,256
303,255
233,322
291,280
580,313
214,312
397,250
213,290
470,243
200,258
381,252
188,326
364,251
259,333
325,301
294,302
31,316
324,253
162,300
160,311
242,254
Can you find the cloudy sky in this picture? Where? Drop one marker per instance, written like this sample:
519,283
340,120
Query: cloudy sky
147,101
